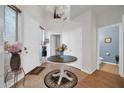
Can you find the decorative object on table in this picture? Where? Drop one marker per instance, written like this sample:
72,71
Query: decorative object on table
108,40
14,49
117,59
15,61
51,81
60,50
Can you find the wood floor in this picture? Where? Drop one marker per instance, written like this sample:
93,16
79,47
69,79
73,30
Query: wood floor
98,79
110,68
101,79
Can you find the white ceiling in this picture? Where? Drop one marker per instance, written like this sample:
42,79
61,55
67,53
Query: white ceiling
57,25
76,10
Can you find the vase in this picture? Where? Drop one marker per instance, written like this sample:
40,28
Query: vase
15,62
60,53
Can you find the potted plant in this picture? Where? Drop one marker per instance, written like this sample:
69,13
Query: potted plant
117,59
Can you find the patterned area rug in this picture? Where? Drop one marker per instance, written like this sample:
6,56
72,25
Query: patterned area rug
51,82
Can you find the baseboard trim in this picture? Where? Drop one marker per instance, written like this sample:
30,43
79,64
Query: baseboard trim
108,63
88,72
122,75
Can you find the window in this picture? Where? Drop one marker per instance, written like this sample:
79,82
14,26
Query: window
11,19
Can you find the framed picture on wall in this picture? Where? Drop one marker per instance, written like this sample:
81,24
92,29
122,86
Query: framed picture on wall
108,40
46,40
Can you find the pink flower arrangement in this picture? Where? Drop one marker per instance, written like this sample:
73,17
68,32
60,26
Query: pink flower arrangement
13,48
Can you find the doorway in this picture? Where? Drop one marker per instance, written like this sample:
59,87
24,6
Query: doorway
54,43
108,48
42,40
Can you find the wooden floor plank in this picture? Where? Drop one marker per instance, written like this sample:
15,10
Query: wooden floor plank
98,79
101,79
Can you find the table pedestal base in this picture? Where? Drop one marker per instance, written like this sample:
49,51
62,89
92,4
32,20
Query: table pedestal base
61,75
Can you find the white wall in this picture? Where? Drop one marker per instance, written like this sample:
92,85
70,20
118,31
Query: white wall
73,39
88,24
71,35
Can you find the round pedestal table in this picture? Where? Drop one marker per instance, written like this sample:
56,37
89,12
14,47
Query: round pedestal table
62,60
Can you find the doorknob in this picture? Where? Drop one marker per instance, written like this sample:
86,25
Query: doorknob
26,52
25,49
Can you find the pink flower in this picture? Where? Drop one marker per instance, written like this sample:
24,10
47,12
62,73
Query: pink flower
15,48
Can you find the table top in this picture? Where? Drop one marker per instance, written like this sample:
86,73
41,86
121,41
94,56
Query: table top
62,59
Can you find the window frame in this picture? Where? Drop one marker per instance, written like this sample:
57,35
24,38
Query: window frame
17,11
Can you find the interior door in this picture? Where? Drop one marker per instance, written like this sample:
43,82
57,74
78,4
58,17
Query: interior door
31,43
52,44
1,46
55,42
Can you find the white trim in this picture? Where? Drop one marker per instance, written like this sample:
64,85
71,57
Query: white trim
83,70
108,26
108,62
88,72
121,50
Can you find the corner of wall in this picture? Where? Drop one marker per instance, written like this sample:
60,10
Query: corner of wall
89,71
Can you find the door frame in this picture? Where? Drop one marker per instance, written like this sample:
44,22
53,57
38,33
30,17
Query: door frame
2,83
120,47
51,39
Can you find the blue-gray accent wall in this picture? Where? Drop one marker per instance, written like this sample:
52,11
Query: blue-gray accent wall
113,47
